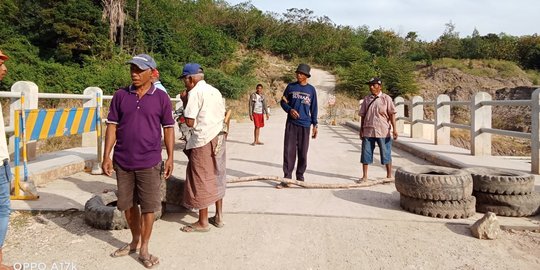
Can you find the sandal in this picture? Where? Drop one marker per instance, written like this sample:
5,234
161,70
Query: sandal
124,251
361,180
149,262
194,228
283,185
212,221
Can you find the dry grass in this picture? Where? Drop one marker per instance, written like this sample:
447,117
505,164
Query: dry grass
500,145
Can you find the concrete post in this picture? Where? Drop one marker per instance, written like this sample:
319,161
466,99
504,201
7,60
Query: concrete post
417,113
89,139
480,118
400,112
442,115
535,132
30,90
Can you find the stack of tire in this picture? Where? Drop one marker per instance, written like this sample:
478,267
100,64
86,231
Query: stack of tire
436,191
101,212
504,192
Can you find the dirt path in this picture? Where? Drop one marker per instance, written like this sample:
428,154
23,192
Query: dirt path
325,83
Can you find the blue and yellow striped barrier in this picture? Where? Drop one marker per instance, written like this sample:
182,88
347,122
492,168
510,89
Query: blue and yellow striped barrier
46,123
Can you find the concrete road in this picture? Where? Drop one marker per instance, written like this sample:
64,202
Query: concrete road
267,228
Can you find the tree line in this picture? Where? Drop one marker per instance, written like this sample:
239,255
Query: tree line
67,45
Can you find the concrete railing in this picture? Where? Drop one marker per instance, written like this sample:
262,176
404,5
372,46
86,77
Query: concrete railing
480,121
32,97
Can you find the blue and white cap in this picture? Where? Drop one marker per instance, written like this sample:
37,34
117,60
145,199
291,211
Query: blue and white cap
143,61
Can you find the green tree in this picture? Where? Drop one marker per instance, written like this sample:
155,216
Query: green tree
383,43
448,44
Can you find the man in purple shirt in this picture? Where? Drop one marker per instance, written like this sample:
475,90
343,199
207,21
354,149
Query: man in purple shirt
136,115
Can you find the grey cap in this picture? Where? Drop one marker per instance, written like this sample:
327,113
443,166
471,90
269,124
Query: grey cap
304,69
143,61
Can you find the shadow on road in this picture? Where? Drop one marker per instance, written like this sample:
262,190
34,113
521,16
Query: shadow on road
459,228
90,186
370,197
269,164
239,142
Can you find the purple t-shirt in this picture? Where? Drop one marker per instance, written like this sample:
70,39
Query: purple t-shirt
138,130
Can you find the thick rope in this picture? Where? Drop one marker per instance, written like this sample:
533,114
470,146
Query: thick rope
309,184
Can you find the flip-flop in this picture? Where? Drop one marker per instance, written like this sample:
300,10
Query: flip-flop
212,220
361,180
253,144
123,251
149,262
194,228
283,185
260,143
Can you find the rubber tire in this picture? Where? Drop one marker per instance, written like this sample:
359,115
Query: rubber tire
439,209
172,191
500,181
433,183
508,205
101,212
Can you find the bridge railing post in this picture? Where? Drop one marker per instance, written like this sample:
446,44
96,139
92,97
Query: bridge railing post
480,118
442,115
89,139
417,113
400,112
30,90
535,132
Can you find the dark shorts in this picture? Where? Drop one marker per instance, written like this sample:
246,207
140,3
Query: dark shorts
258,120
139,187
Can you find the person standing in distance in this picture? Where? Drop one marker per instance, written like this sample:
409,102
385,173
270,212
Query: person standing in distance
299,101
377,126
257,109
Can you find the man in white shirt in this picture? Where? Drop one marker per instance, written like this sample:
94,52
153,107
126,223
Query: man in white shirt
5,172
204,112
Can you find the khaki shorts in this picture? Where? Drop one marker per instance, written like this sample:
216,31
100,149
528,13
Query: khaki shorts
139,187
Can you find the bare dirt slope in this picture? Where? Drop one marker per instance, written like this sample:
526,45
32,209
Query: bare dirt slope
461,86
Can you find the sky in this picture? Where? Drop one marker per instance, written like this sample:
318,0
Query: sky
426,18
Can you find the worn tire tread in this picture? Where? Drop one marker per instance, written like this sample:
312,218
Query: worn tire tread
439,209
416,182
501,181
508,205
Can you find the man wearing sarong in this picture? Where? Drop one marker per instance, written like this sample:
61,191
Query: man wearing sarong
204,112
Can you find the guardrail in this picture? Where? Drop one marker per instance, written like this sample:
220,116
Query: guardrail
31,101
480,121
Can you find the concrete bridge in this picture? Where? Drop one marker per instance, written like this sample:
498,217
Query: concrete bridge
268,228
